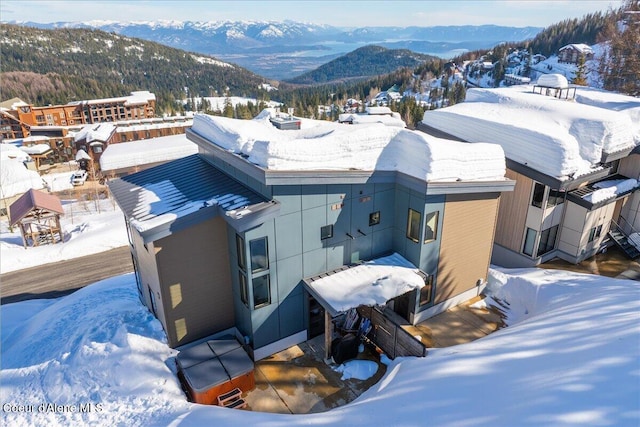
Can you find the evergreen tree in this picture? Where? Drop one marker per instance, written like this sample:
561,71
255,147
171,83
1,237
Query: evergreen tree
580,76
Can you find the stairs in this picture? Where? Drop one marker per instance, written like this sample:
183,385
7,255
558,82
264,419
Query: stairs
623,243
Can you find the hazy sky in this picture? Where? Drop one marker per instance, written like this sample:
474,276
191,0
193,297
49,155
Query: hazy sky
343,13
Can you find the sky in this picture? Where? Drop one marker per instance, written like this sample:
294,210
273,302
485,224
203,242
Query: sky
331,12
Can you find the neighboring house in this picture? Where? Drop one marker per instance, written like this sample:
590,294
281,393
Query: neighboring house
576,164
94,139
571,53
223,240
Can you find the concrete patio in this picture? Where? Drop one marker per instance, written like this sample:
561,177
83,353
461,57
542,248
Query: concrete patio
298,381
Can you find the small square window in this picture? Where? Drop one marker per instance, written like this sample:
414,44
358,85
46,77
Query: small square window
326,232
374,218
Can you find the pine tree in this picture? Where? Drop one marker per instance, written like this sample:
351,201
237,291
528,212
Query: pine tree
580,75
620,64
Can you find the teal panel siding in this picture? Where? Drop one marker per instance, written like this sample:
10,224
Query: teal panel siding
289,197
313,196
288,235
291,313
289,276
338,255
361,207
340,218
312,220
314,262
382,241
266,325
384,202
361,248
338,193
358,190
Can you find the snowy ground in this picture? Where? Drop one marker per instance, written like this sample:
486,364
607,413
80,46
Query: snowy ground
89,227
570,356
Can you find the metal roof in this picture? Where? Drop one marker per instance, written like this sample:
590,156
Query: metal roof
175,195
34,200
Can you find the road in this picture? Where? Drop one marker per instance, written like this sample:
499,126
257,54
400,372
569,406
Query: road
63,277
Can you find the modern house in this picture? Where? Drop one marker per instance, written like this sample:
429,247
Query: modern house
223,241
576,163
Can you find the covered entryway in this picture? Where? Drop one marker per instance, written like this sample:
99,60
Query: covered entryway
372,284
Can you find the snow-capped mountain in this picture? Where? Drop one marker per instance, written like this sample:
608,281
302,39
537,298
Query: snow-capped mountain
282,49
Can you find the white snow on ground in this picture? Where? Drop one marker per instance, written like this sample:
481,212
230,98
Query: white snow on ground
568,357
321,145
88,227
153,150
557,137
359,369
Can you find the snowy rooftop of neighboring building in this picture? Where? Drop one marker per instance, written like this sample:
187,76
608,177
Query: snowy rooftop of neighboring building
321,145
37,149
153,150
358,119
136,98
96,132
559,138
373,283
580,47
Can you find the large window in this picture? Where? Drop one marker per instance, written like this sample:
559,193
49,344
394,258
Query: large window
261,291
538,195
259,255
431,227
413,225
547,240
529,241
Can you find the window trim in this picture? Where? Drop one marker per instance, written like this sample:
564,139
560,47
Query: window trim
266,254
266,276
546,248
241,253
411,215
323,236
526,239
428,287
244,288
534,201
436,215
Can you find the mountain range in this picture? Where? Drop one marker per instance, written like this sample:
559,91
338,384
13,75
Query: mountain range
286,49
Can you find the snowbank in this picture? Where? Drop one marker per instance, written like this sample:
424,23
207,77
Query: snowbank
320,145
88,228
16,179
557,137
569,357
154,150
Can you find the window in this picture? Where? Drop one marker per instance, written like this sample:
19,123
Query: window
431,227
426,291
244,292
259,255
538,195
413,226
556,197
547,240
326,232
261,291
529,241
595,233
374,218
152,297
97,148
242,260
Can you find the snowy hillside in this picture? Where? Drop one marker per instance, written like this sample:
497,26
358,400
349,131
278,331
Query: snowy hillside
569,357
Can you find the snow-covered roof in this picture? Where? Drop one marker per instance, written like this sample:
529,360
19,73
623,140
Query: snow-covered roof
321,145
373,283
378,110
580,47
358,119
15,178
37,149
136,98
10,151
611,188
556,137
96,132
153,150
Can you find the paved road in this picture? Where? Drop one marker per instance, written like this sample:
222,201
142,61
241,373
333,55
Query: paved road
62,278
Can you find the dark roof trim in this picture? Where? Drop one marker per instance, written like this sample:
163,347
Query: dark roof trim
609,157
